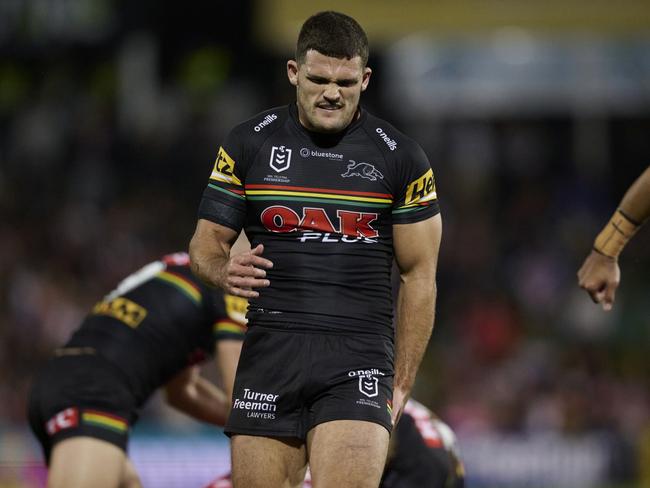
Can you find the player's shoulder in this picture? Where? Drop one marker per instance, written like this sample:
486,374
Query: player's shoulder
177,266
262,125
388,138
416,410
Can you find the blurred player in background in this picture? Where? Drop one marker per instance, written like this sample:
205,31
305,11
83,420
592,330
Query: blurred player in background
423,453
151,331
328,195
600,274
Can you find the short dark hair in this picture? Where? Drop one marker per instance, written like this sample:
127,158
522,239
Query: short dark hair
333,34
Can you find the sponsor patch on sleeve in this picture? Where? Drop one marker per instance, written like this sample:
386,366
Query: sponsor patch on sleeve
236,308
122,309
65,419
224,169
421,191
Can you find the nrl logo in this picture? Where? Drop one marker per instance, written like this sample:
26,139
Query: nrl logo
368,385
280,158
364,170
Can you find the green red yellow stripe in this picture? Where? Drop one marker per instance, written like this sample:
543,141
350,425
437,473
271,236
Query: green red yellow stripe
320,195
105,420
233,193
229,326
411,208
319,190
182,284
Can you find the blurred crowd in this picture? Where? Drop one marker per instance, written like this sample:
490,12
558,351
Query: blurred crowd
103,157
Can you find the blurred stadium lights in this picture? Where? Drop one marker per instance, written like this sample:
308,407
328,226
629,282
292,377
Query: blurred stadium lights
277,21
516,72
43,21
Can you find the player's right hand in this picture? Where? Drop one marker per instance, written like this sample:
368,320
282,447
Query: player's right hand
246,271
600,277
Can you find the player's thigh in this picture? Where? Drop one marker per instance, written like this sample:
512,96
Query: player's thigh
82,462
267,462
347,453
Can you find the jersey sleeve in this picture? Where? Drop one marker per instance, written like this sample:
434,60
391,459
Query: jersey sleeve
231,324
224,200
416,198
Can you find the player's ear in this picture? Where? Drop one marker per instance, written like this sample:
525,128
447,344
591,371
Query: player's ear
292,72
365,78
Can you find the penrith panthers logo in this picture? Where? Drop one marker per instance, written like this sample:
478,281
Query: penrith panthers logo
364,170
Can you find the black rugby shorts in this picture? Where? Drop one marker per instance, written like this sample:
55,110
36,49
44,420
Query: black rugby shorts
288,381
80,395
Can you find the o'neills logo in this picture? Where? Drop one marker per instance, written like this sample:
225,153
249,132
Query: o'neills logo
256,404
391,143
267,120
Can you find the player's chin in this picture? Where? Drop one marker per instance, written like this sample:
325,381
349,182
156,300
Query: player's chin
330,123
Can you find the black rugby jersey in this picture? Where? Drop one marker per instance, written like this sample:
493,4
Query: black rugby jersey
323,206
158,321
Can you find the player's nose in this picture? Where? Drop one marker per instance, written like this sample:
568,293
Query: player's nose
332,93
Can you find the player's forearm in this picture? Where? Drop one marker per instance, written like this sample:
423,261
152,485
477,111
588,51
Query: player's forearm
208,257
636,201
415,317
632,212
203,401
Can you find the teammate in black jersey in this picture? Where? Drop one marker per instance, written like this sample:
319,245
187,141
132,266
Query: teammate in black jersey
152,330
328,195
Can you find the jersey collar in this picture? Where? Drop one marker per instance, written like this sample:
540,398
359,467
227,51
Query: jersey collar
327,139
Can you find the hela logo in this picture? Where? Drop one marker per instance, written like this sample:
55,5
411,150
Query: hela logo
283,219
280,158
421,190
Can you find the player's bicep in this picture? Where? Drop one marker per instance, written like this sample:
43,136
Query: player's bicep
416,245
224,199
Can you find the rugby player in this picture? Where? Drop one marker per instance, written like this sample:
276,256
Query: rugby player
423,452
600,274
152,330
328,194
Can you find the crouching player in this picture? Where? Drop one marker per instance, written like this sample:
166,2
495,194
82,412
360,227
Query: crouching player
152,330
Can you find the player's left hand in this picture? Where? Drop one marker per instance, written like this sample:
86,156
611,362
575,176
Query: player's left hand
245,272
600,277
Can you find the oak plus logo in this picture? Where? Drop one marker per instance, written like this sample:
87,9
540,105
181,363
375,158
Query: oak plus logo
315,224
280,158
364,170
